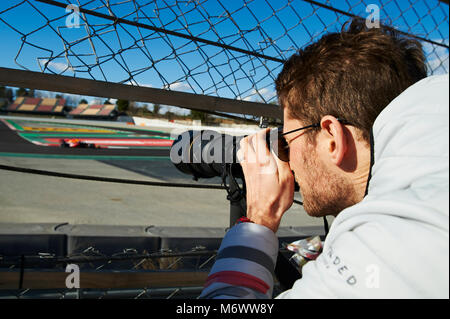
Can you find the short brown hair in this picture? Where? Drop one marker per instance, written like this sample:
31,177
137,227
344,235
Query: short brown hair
352,75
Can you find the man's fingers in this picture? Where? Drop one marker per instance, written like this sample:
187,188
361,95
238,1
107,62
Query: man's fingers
284,170
253,149
246,153
258,142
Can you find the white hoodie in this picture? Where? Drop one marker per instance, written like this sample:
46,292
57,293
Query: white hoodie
395,242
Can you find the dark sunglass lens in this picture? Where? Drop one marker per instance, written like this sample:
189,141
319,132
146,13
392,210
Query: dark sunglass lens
283,147
277,143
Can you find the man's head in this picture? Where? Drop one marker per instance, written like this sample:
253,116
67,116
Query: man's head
351,75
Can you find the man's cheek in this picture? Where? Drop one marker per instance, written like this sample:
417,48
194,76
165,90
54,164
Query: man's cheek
295,167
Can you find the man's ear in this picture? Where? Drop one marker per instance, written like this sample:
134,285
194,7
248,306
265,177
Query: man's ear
334,138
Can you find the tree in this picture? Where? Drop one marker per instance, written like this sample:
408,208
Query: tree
123,105
6,96
170,115
21,92
83,101
133,107
156,109
9,94
2,96
107,102
70,99
199,115
145,110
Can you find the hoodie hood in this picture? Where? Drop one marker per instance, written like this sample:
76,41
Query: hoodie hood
411,156
412,149
402,223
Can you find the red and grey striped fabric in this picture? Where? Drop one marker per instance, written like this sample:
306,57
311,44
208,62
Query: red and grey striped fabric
244,265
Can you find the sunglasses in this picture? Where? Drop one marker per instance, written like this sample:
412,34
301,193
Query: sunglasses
282,146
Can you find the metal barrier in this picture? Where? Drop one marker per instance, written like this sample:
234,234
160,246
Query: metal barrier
113,261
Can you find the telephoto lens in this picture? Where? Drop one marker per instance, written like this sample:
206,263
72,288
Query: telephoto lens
206,153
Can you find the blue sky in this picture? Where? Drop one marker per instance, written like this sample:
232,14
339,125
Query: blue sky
202,69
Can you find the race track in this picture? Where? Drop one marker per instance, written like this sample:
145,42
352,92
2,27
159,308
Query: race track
41,137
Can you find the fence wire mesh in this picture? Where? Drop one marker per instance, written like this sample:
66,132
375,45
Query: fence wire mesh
231,49
143,293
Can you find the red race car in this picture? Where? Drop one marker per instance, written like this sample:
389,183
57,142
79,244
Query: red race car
74,142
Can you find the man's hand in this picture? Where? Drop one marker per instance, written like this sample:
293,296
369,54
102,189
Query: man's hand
269,181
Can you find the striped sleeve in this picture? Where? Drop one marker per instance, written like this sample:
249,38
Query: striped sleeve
245,264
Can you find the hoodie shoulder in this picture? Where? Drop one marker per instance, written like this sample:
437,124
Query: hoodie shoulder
402,224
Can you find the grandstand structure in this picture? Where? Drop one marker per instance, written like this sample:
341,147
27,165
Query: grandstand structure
94,111
44,106
57,106
217,56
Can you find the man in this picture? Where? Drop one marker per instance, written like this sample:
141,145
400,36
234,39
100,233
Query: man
390,235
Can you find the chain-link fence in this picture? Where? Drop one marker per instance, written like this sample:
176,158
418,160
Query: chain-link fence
87,261
125,274
229,49
165,274
226,49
